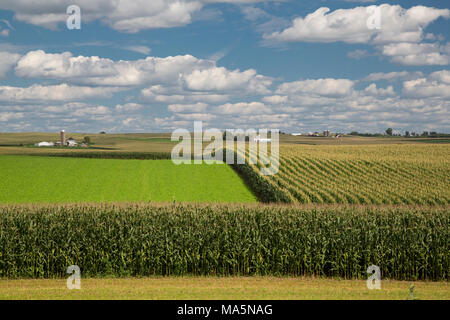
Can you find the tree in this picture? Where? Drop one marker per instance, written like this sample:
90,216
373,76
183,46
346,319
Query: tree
406,133
389,131
425,134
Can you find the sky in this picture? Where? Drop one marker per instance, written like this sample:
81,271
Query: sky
160,65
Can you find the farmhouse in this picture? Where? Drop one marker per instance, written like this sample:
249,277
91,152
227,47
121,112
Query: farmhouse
71,142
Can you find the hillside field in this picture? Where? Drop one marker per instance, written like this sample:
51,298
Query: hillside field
34,179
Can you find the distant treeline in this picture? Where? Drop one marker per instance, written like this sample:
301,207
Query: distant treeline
109,155
389,132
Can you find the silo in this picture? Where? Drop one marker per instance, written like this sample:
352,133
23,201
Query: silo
63,138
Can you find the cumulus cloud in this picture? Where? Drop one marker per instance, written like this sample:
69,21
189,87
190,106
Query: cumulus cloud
7,61
243,108
184,73
441,76
102,71
61,92
374,91
127,107
121,15
197,107
417,54
350,25
221,79
324,87
276,99
399,36
437,85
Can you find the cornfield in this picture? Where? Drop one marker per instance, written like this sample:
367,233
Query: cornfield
142,239
383,174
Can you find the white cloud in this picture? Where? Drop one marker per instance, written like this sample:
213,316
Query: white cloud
198,107
102,71
243,108
436,86
61,92
398,37
275,99
374,91
442,76
417,54
95,110
392,76
7,116
324,87
350,25
221,79
7,61
127,107
121,15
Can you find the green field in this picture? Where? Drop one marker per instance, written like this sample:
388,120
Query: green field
33,179
236,288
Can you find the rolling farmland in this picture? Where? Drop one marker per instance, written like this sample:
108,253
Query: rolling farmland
330,211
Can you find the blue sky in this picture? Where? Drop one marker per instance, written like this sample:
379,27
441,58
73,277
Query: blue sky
292,65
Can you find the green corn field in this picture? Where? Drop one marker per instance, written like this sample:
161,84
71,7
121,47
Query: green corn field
406,242
379,174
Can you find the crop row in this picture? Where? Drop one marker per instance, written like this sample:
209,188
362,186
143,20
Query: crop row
144,240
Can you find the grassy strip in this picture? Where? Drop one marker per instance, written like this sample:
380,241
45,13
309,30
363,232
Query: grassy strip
145,240
220,288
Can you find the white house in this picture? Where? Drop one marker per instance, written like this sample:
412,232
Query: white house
71,143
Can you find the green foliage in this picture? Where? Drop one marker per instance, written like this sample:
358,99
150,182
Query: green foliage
265,191
407,243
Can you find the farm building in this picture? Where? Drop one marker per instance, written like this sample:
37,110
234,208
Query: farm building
71,142
44,144
258,138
